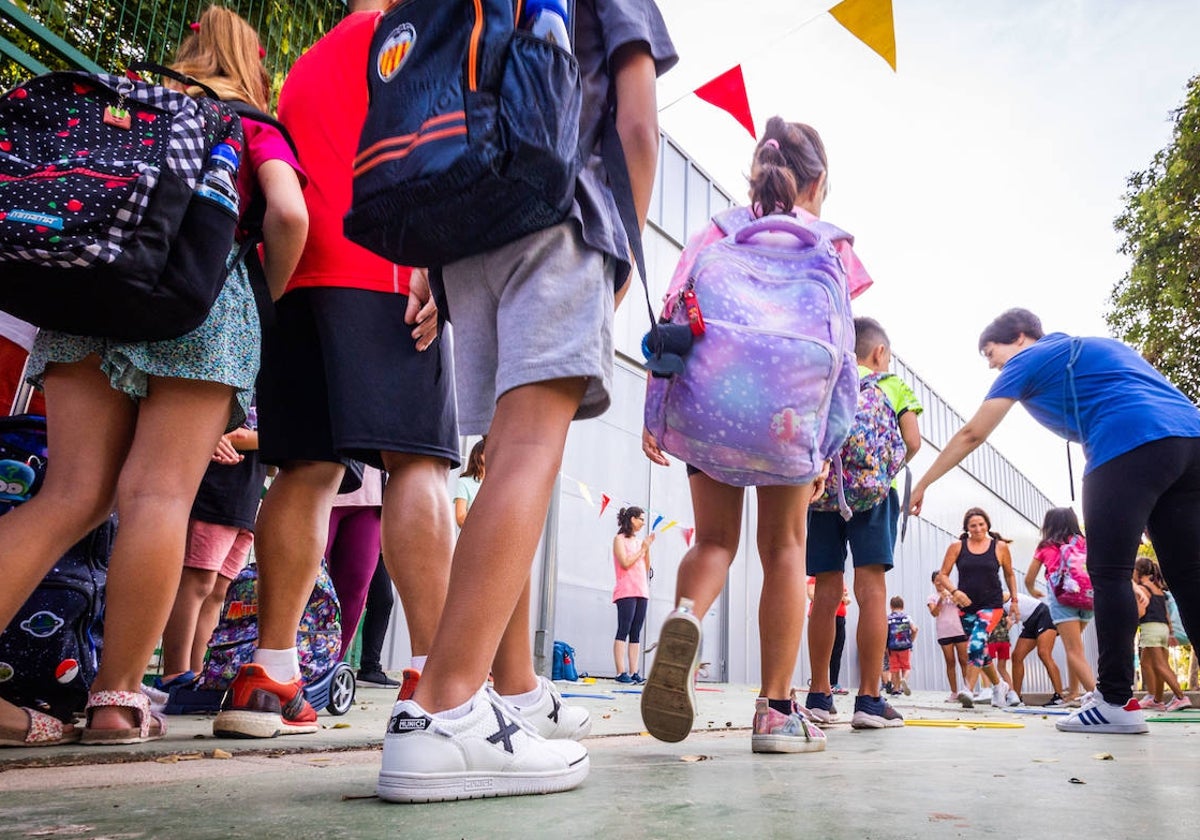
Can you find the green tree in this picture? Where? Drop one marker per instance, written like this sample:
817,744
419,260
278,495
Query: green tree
1156,306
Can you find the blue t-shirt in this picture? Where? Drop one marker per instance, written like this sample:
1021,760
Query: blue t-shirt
1122,401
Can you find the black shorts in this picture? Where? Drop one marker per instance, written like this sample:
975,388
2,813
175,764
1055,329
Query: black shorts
342,378
1036,623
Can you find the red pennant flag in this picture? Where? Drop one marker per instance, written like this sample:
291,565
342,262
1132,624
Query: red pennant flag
604,500
728,92
687,535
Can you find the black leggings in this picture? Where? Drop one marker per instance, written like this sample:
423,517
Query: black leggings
1155,487
839,644
631,615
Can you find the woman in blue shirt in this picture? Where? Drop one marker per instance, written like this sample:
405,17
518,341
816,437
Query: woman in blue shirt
1141,438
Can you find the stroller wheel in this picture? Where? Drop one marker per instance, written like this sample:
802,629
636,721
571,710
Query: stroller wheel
341,690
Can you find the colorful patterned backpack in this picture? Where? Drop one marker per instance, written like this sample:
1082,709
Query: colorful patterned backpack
900,632
318,639
871,457
767,391
1071,583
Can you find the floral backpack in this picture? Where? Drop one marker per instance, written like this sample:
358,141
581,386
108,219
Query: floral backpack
872,456
318,639
1070,581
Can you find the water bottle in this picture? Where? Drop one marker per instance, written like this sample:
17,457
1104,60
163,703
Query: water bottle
218,183
548,19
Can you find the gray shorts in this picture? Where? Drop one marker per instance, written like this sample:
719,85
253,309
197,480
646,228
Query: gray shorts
534,310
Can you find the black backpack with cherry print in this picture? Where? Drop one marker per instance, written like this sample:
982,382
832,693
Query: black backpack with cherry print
108,221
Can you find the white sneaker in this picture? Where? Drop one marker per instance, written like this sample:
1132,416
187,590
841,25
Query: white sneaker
669,695
1000,694
1099,716
552,718
1011,698
983,697
490,751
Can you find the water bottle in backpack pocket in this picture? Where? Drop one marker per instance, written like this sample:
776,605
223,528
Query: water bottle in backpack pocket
767,390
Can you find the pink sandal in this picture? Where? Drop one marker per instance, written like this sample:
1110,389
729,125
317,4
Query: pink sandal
42,731
150,726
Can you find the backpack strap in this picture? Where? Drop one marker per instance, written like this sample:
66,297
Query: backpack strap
182,78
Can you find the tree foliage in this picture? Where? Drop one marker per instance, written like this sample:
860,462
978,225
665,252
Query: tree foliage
1156,306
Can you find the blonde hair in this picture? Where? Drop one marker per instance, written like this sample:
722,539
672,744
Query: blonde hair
223,53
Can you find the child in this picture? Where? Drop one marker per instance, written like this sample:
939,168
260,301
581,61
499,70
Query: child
788,174
902,635
871,537
136,423
220,534
533,350
951,639
999,648
1154,630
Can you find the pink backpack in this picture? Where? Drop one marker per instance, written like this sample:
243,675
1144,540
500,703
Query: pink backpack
769,388
1070,581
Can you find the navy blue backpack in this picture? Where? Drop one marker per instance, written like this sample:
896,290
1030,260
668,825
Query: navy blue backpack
472,135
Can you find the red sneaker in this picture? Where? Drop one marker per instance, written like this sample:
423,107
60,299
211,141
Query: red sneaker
255,706
409,685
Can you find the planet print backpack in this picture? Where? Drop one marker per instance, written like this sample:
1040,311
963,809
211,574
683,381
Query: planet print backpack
768,388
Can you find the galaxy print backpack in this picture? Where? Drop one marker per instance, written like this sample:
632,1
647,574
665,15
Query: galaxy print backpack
766,382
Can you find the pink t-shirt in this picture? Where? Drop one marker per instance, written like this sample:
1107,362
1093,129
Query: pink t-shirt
856,274
263,143
948,623
632,582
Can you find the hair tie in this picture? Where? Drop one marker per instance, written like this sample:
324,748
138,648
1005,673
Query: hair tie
772,142
195,27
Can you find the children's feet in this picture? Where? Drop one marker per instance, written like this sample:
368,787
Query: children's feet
1152,705
951,698
669,698
1179,703
147,726
775,732
904,687
40,730
966,699
820,707
623,678
184,680
874,713
636,678
1099,716
255,706
1055,700
1011,698
489,751
1000,694
375,678
551,718
837,689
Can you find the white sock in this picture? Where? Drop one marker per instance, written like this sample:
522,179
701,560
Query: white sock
417,663
456,712
280,665
527,699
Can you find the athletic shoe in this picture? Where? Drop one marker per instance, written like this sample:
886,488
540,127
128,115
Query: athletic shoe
1146,698
375,679
837,689
623,678
983,697
1011,698
1179,703
904,687
874,713
187,679
636,678
951,698
408,687
1152,705
1055,700
490,751
966,699
1099,716
819,707
775,732
669,698
1000,694
255,706
551,718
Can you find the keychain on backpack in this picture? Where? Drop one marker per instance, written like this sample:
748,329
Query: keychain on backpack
695,317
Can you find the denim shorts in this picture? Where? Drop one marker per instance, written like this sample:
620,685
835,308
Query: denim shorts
1059,613
870,535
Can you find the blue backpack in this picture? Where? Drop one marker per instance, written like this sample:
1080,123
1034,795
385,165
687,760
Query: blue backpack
900,635
564,662
471,138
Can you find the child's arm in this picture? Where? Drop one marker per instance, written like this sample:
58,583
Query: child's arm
1035,565
634,79
910,433
285,223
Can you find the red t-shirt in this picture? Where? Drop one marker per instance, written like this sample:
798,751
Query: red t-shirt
323,104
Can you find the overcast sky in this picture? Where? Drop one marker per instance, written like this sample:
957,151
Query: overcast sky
985,174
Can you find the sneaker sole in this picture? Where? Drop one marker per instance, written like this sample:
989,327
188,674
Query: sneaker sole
668,697
785,744
239,724
448,787
863,721
966,701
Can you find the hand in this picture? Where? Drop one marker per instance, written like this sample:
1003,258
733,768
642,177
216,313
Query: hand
225,452
916,500
240,435
650,448
649,540
960,599
818,485
421,309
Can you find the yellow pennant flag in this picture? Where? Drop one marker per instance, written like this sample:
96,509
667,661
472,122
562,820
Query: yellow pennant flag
870,21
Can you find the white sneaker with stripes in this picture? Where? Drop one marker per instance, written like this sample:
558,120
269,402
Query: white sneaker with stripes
1101,717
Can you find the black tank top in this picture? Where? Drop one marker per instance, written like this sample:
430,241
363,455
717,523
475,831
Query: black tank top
1156,610
978,578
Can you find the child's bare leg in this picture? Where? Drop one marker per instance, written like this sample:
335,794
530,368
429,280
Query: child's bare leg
1045,650
702,572
870,591
496,547
822,627
179,636
512,669
1071,633
781,526
207,620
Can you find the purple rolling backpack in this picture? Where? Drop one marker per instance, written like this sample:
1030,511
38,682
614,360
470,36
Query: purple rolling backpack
768,391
